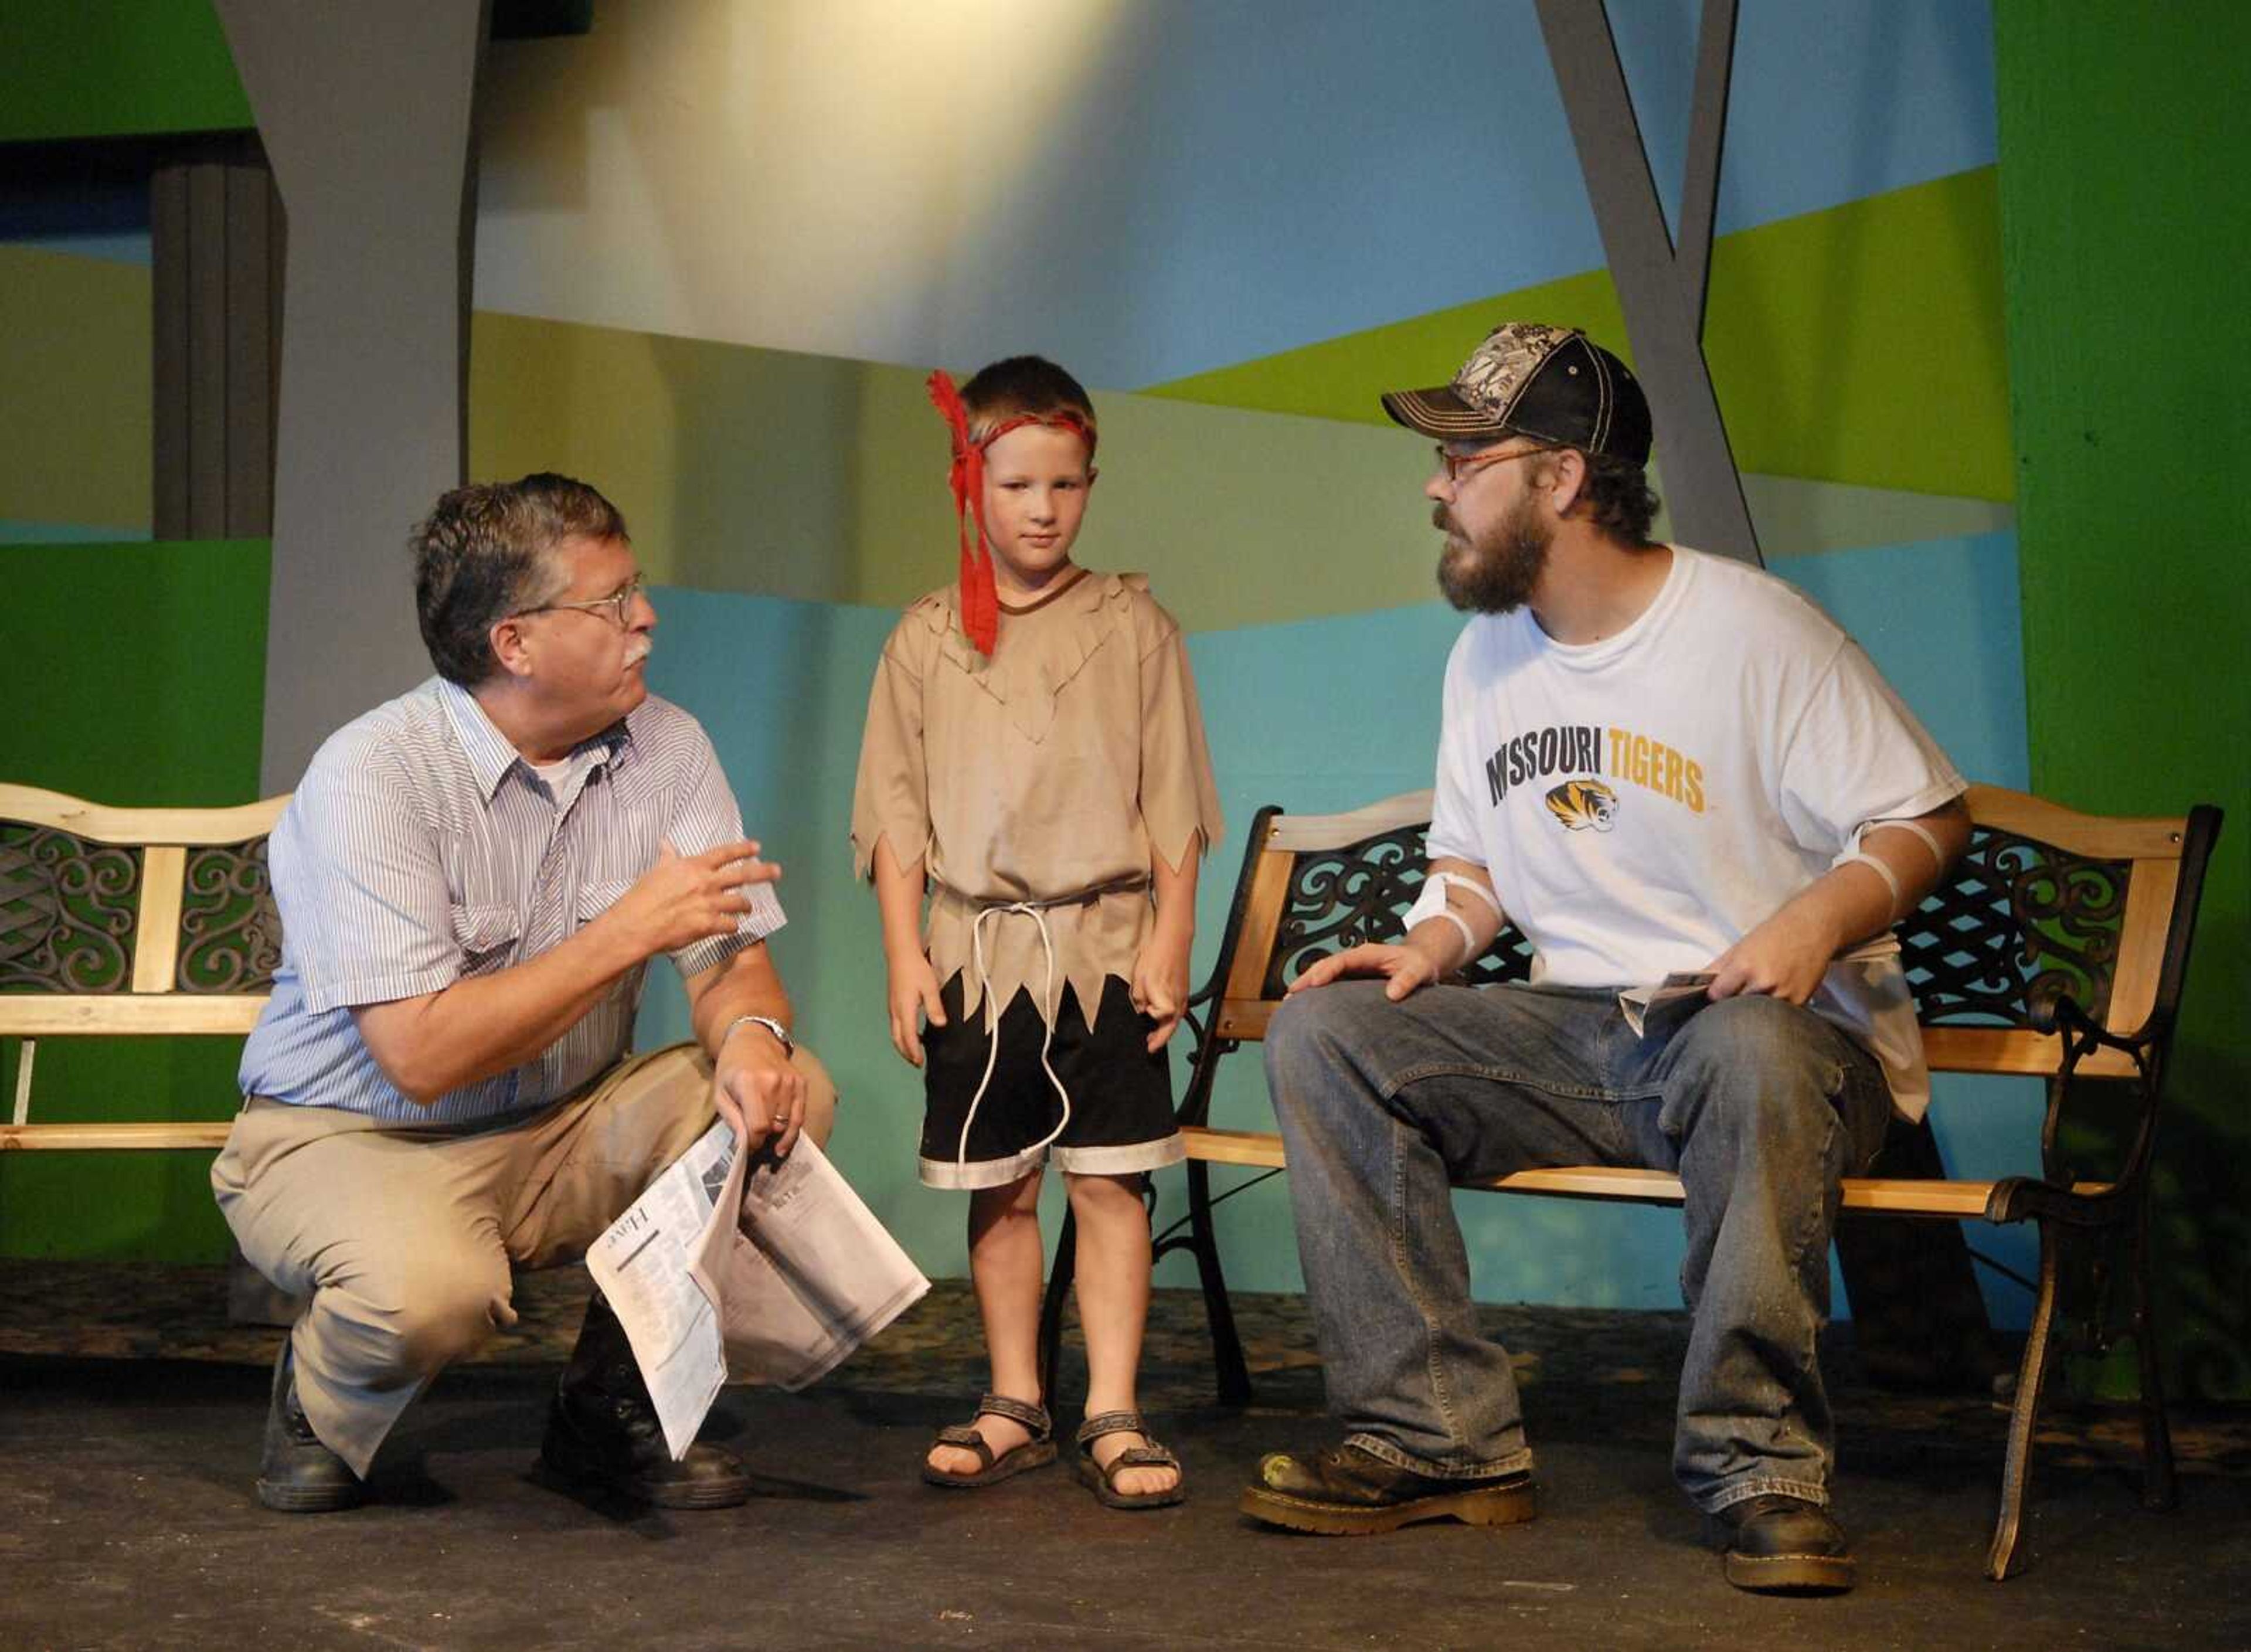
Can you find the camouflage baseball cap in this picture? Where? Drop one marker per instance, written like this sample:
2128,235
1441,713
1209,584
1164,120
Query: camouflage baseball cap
1552,384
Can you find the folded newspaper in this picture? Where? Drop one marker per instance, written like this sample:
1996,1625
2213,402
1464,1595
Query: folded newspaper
750,1270
1640,1005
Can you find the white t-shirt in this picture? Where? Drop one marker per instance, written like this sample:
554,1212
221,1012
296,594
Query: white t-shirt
1642,802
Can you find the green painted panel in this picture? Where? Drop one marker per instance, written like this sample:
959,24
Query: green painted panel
138,673
735,467
115,68
75,418
2126,240
1859,344
1864,343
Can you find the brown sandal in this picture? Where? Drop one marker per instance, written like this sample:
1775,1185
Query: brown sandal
1103,1482
1035,1453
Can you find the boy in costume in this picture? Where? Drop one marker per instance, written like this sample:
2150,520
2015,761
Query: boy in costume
1034,763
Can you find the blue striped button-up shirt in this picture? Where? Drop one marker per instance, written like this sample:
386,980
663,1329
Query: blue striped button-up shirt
420,849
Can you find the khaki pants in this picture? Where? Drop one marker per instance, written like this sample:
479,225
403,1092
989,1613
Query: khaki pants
404,1238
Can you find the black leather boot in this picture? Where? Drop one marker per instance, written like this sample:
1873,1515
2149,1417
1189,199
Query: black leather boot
296,1472
1783,1545
602,1430
1348,1491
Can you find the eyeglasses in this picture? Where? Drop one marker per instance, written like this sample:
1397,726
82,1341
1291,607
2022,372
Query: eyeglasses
617,605
1454,464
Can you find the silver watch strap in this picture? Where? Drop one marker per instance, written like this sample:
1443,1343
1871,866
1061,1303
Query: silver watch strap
780,1032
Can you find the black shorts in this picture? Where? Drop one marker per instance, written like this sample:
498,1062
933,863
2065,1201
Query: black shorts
1121,1095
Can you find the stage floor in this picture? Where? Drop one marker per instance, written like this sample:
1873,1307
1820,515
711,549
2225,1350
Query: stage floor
129,1435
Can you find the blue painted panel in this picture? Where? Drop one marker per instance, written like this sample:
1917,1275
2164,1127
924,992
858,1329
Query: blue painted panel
1195,212
125,247
1831,100
95,219
13,532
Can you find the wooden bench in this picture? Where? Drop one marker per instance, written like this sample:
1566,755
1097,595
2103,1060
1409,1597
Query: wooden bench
2057,949
130,922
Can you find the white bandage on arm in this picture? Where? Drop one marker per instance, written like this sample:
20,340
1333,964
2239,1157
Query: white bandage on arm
1442,881
1431,902
1890,877
1929,840
1860,852
1469,941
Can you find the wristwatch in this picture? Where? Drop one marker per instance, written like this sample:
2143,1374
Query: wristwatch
780,1032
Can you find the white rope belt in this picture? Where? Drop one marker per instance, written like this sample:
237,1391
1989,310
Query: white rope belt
1031,909
1037,911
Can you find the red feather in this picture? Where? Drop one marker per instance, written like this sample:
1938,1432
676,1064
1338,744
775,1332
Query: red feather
980,598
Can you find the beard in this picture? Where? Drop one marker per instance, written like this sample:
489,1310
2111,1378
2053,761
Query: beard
1498,572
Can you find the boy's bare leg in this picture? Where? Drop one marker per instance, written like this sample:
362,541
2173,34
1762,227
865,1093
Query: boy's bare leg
1113,1306
1005,1263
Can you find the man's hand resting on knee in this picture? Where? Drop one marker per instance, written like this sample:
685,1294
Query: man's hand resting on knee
1435,947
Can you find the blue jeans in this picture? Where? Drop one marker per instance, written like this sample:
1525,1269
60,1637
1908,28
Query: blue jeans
1758,1105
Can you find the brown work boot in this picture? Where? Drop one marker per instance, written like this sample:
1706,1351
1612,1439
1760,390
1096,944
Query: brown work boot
1783,1545
296,1472
602,1430
1349,1491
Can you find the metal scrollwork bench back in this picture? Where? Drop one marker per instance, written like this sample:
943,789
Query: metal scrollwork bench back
130,922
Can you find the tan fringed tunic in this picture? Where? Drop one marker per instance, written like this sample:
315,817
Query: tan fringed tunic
1050,774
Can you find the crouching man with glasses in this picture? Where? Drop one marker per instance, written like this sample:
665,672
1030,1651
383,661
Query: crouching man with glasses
471,878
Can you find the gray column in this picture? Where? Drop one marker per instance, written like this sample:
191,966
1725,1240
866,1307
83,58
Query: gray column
366,112
1660,290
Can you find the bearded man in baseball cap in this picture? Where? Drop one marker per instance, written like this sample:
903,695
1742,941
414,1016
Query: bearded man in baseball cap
1653,763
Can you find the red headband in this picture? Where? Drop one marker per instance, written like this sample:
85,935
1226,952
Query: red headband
980,598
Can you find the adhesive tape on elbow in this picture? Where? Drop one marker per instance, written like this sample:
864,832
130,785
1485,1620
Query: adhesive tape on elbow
1431,902
1929,841
1469,941
1890,877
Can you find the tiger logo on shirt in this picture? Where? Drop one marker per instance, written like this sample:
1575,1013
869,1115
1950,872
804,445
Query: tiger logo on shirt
1581,804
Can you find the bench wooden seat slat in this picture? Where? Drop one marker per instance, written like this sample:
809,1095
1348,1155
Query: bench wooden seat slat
195,1133
126,1015
2016,1051
1891,1195
2055,950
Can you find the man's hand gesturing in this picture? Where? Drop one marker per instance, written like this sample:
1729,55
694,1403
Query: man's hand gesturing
685,899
